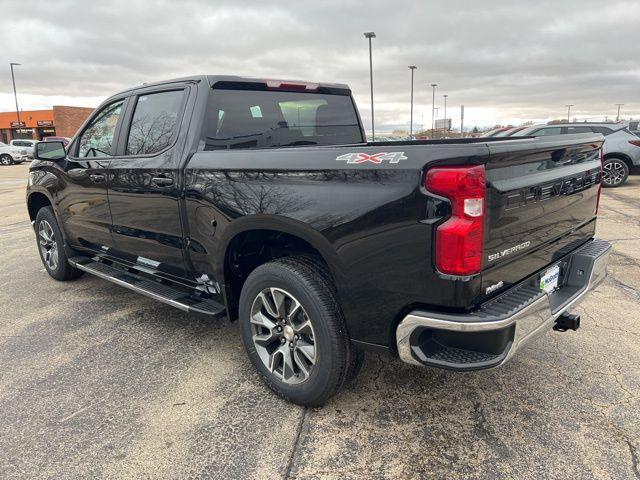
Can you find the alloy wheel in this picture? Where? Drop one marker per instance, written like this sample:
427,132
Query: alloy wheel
283,335
614,173
48,244
5,160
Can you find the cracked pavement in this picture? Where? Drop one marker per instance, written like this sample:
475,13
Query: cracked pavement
99,382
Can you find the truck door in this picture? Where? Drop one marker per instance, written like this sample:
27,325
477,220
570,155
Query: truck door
144,180
83,206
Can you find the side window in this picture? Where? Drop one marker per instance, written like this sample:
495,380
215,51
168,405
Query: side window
154,123
602,130
97,139
547,131
579,130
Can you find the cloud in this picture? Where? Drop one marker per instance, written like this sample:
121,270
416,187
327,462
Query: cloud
515,60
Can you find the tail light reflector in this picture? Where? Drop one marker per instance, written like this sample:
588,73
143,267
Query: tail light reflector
460,239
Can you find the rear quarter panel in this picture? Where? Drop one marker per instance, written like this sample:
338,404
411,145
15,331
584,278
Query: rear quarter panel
369,221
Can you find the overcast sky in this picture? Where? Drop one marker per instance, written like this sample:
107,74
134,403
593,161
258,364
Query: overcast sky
506,61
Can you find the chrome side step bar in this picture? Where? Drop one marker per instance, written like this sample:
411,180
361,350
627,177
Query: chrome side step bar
158,291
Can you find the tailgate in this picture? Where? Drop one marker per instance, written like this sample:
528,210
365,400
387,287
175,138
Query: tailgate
541,202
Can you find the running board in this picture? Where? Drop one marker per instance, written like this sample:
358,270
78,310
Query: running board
158,291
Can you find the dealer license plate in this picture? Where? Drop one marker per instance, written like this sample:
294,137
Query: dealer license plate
549,279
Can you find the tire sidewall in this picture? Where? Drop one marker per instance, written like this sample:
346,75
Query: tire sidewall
625,166
46,213
276,275
6,160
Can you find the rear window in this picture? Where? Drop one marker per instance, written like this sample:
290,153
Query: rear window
262,119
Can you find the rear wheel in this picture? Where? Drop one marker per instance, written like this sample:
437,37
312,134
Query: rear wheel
51,247
294,332
615,172
6,159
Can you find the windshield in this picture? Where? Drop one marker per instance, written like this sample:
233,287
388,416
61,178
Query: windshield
259,119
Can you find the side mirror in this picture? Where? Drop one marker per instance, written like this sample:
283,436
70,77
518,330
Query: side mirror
52,151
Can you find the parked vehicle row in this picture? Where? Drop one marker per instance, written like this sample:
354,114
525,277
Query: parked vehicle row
22,149
621,148
262,200
10,155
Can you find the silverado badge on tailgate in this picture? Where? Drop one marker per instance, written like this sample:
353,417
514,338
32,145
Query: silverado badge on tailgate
377,158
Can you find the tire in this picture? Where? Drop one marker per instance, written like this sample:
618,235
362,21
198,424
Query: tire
615,172
6,159
316,330
51,247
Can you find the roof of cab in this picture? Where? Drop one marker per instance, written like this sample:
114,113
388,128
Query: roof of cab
213,79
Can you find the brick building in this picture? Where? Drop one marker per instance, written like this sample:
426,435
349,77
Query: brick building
60,121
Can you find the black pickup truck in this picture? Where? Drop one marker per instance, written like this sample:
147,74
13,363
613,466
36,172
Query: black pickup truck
261,200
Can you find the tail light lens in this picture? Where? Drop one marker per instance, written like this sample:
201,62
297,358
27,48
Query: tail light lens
460,239
635,142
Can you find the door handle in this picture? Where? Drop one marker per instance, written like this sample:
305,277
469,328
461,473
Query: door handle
162,181
96,177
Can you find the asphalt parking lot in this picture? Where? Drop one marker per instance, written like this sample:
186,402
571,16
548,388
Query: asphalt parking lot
99,382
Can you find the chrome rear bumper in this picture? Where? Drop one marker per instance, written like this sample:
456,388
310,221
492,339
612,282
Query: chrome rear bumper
509,322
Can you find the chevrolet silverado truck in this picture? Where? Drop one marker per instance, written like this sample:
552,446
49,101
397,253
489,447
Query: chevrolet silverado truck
260,200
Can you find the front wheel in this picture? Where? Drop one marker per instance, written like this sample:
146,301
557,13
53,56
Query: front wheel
51,247
615,172
294,332
6,159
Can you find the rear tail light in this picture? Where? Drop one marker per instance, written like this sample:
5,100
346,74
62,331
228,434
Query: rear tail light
635,142
460,240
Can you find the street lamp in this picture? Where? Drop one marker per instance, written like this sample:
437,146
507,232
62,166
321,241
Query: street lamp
618,116
445,115
15,95
569,111
436,110
412,68
433,107
371,35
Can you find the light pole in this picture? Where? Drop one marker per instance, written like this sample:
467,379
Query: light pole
569,111
445,116
462,121
618,116
433,107
436,109
412,68
371,35
15,95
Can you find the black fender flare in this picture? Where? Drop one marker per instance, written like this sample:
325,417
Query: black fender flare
291,227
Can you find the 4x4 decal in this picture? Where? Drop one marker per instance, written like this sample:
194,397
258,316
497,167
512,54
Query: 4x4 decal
377,158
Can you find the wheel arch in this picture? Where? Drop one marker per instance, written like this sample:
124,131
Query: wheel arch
620,156
37,200
252,241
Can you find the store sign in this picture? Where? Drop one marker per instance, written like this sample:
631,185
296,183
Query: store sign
18,124
45,123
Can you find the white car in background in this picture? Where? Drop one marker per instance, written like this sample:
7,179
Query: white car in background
621,147
10,155
24,144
